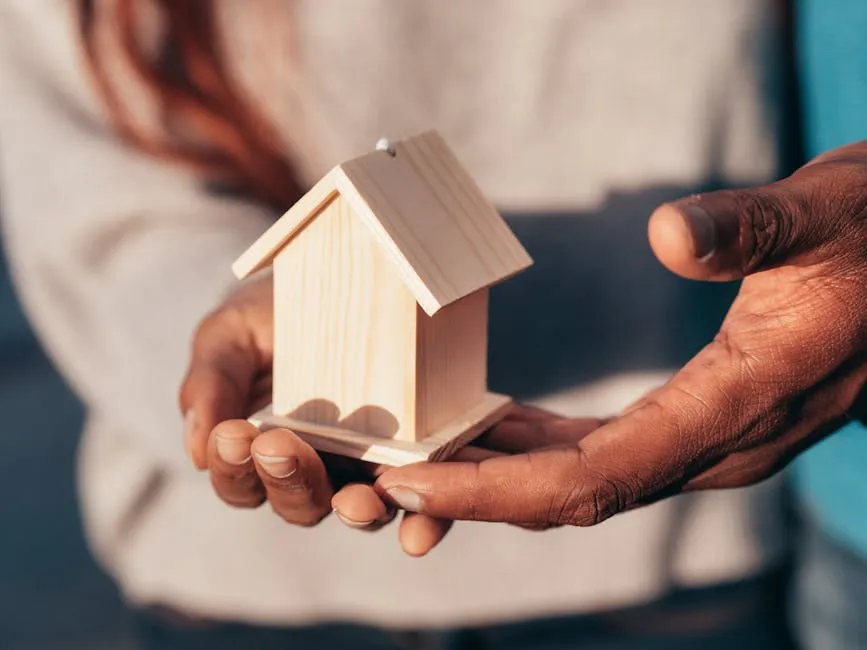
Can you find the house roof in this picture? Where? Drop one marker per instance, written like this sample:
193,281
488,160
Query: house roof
444,237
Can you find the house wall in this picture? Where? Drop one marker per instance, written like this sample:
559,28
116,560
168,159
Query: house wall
452,358
345,328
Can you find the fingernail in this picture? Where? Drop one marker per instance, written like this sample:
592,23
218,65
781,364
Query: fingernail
405,498
278,466
354,524
702,229
189,430
235,451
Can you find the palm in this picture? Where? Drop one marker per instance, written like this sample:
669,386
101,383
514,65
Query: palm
788,366
230,378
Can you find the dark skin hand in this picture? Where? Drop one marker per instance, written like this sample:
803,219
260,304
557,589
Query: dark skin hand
229,378
788,366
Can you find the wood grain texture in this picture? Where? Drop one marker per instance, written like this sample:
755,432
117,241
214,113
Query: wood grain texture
444,238
451,366
440,445
263,251
345,330
381,277
447,238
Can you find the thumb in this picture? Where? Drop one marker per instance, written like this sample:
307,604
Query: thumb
729,234
226,377
221,379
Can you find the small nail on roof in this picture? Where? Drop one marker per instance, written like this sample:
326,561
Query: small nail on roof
386,145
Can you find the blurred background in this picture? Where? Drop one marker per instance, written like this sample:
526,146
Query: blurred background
52,594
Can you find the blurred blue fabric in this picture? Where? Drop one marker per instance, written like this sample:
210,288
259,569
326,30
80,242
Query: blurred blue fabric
832,477
830,590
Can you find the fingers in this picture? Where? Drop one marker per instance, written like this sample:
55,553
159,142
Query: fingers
814,214
741,393
528,427
723,401
656,446
543,488
222,371
726,235
229,369
514,489
293,477
526,412
212,394
229,457
513,436
358,506
485,484
419,534
294,483
247,467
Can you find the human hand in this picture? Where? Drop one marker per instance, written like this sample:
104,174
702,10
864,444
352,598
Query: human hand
303,487
229,377
788,366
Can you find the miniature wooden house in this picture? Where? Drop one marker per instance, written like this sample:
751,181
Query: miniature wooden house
381,277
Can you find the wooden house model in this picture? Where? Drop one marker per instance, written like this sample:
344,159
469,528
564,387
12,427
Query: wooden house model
381,277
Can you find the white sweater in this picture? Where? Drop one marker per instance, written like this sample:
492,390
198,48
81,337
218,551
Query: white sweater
576,116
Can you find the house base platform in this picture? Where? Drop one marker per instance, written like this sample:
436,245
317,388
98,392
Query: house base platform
439,445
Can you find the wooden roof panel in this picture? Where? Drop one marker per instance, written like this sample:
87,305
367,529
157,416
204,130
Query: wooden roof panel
438,219
446,239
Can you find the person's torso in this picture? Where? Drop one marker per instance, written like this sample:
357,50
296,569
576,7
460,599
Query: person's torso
577,118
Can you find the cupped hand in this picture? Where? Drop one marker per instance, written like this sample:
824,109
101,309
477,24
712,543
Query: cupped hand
788,366
229,377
